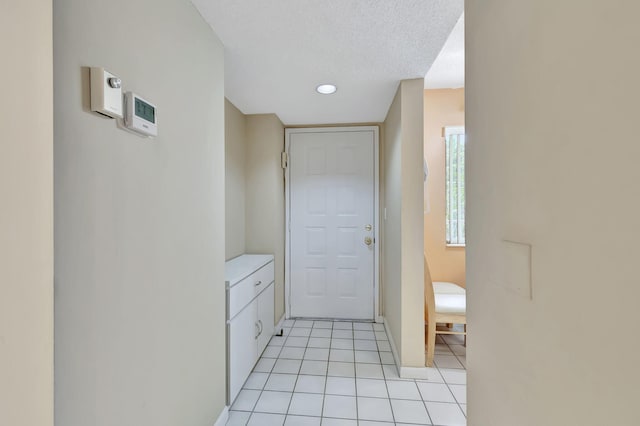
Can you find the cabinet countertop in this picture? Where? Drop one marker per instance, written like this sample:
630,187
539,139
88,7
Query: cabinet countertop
244,265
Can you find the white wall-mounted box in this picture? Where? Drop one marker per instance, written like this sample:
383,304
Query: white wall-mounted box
140,115
106,93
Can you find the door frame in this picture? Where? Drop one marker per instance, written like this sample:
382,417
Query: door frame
376,211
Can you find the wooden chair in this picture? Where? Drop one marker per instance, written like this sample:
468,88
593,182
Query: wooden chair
444,308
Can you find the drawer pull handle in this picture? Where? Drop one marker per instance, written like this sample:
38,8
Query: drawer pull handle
257,331
258,283
261,328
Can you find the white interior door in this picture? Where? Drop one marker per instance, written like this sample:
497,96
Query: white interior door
332,212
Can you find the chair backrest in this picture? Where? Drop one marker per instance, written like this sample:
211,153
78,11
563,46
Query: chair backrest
429,297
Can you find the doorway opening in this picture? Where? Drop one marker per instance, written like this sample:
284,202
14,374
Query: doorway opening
444,209
332,223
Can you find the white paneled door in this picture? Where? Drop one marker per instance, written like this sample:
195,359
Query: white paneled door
332,214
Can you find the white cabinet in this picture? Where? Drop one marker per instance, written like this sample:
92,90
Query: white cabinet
265,318
250,316
242,350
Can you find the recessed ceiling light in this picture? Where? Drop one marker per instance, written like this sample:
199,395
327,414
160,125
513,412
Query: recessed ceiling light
326,89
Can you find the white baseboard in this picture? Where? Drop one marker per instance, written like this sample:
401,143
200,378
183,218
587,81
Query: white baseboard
223,417
279,325
379,319
394,350
414,373
405,372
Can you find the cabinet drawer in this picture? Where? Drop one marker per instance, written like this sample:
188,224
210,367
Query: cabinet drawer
246,290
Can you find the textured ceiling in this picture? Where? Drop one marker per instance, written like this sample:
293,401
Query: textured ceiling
278,51
447,71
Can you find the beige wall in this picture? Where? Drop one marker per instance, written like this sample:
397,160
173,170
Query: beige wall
26,216
139,223
402,240
551,100
255,190
412,222
235,158
391,240
265,209
442,107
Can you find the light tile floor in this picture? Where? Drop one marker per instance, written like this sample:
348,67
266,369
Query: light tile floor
340,373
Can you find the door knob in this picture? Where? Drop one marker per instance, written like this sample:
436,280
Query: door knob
368,240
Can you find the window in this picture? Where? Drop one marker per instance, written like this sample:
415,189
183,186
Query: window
454,176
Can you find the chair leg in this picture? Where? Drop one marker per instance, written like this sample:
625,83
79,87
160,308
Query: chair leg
465,336
431,343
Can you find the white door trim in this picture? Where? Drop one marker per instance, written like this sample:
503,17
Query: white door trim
376,212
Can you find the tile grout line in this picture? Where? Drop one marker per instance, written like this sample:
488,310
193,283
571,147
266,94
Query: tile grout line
386,386
286,414
371,397
264,386
270,374
424,402
355,374
447,383
326,376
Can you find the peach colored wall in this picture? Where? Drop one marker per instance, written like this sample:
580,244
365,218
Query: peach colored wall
442,107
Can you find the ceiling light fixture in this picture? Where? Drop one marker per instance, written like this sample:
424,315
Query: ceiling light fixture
326,89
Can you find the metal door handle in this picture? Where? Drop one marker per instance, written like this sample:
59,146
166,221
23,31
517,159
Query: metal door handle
368,241
368,227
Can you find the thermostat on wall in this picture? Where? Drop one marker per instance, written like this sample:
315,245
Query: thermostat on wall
106,93
140,115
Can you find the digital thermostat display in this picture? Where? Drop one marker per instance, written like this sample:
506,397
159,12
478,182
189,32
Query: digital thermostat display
144,110
141,116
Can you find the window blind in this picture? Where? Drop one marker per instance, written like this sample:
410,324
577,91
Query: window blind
455,191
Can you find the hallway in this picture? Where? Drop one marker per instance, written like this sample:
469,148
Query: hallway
343,373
